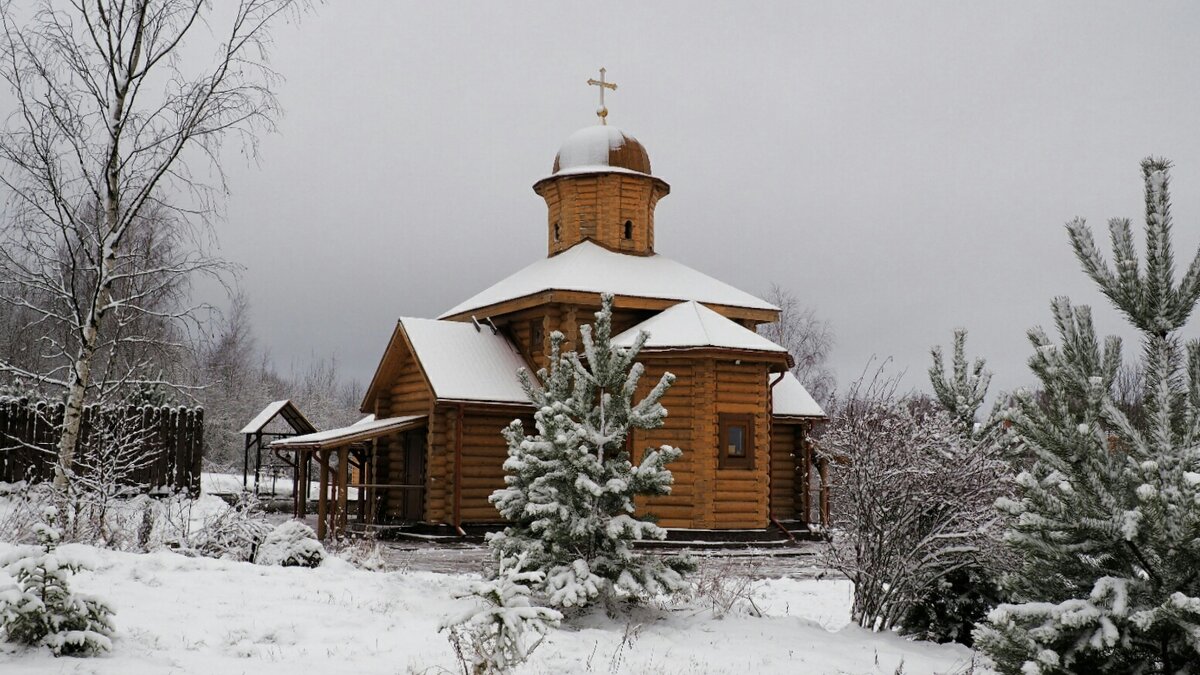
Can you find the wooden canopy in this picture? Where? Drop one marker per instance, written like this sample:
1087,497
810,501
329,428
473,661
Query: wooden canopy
352,444
254,433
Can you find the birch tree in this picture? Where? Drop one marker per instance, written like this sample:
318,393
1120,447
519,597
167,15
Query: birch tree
807,337
121,111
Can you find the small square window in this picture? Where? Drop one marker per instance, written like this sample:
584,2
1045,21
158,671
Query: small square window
736,442
537,336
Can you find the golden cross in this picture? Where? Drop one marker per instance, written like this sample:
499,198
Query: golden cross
602,112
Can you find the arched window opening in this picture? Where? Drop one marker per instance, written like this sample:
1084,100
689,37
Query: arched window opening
629,229
557,234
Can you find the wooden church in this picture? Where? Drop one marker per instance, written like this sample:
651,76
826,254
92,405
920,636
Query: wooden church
430,451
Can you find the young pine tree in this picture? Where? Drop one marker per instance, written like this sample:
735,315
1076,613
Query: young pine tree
571,486
40,608
1107,513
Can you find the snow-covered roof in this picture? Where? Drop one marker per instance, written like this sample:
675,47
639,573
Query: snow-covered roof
466,363
291,415
601,148
361,430
789,398
592,268
692,325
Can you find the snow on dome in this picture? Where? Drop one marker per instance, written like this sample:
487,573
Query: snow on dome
590,268
599,149
789,398
692,325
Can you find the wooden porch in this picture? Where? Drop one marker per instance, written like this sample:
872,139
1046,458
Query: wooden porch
346,459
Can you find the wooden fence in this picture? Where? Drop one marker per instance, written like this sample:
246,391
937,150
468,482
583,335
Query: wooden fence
154,449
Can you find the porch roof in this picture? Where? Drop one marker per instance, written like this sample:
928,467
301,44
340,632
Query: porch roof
363,430
791,399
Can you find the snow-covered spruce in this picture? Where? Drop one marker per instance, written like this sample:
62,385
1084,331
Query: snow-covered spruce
41,610
502,632
1107,513
571,486
291,544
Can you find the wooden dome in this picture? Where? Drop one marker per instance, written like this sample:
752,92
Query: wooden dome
600,148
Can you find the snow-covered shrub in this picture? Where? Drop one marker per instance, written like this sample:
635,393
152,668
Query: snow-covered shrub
365,553
726,585
949,608
291,544
22,508
501,633
1106,516
913,499
571,486
41,609
232,534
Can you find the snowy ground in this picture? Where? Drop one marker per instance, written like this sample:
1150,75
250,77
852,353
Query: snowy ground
196,615
268,485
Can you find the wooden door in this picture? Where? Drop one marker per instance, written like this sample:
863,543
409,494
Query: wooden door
413,504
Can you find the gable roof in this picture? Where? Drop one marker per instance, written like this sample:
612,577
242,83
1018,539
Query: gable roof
691,325
463,362
789,398
458,361
589,267
291,414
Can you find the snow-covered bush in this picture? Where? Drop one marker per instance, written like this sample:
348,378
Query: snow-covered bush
913,499
501,633
22,508
41,609
571,486
949,608
291,544
1106,517
365,553
726,585
232,534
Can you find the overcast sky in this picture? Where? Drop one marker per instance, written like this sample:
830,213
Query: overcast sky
902,168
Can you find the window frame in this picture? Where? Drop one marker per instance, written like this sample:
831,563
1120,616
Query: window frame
537,336
724,422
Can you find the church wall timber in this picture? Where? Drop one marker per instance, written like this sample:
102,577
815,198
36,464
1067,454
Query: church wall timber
678,508
787,469
598,206
739,496
408,394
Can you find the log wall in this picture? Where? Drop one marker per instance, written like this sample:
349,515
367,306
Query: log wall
407,394
787,470
740,495
597,206
678,509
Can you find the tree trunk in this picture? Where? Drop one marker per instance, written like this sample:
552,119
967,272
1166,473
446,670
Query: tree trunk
72,422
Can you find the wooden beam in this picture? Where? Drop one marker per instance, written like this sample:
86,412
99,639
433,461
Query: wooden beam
343,478
300,487
322,497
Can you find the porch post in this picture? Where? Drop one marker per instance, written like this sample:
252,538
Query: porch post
343,479
322,495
